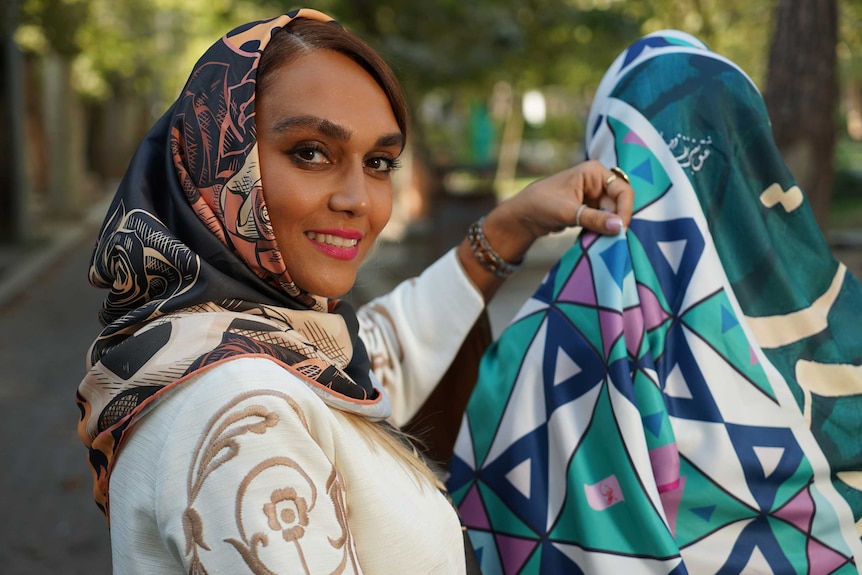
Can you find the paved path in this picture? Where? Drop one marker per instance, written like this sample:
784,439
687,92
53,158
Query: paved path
49,523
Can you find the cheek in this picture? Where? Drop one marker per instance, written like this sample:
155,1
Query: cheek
382,207
286,203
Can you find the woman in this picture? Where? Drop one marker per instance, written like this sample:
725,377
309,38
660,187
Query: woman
230,405
684,399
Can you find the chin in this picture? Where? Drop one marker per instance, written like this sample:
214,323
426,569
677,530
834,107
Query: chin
328,289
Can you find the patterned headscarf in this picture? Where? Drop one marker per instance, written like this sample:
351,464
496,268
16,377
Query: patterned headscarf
683,397
194,272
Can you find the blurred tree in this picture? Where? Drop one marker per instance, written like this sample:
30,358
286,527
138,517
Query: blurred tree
14,221
736,29
850,65
55,27
138,54
801,94
456,59
108,68
58,22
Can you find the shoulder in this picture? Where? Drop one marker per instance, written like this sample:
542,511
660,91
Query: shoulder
252,394
247,376
231,416
246,372
242,444
254,383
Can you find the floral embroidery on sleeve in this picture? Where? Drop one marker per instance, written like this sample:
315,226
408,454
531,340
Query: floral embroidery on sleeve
289,507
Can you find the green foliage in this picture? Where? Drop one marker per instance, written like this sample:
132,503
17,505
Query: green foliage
459,52
145,48
462,53
55,23
850,43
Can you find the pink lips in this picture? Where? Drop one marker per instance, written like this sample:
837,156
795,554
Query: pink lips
342,244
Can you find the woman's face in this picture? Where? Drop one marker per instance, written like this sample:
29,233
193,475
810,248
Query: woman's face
328,140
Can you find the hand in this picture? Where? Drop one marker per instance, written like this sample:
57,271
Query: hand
553,203
589,195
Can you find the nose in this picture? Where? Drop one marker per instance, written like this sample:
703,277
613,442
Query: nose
351,192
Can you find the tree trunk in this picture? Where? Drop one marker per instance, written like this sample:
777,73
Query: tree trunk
14,221
510,146
801,94
64,138
853,120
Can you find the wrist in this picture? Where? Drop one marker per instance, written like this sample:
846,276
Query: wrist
506,231
489,258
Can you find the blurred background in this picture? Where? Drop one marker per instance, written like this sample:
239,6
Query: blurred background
499,88
499,92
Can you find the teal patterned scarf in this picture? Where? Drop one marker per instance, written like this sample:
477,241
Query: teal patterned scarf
684,397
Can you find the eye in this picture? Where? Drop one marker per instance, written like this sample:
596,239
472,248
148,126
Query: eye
382,164
309,154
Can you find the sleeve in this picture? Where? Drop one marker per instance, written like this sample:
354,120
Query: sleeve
248,483
414,332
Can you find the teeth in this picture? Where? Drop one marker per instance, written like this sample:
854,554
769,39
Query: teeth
331,240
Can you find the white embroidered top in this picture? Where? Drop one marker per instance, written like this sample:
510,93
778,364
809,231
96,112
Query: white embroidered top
244,469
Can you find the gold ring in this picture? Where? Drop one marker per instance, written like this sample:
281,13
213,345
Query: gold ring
610,180
619,172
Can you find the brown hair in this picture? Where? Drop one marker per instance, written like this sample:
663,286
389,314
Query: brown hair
303,35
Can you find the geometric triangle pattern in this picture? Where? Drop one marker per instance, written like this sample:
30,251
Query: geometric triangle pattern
628,420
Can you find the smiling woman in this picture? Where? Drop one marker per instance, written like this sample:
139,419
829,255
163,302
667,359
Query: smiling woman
240,418
327,146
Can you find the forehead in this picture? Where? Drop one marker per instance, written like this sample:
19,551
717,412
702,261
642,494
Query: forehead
328,85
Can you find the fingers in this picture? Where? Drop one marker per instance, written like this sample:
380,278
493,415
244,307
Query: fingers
578,214
608,199
588,195
618,189
599,221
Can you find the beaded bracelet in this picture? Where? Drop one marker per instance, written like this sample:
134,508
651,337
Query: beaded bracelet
486,255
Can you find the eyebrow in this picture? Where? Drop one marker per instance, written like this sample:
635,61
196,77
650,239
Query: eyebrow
396,139
333,130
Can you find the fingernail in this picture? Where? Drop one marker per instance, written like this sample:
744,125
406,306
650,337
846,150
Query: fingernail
613,224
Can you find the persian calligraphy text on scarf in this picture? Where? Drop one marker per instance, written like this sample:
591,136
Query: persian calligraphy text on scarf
684,397
194,271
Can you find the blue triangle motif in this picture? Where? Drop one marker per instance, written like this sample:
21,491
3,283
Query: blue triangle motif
545,291
757,534
620,374
700,406
650,234
618,261
459,474
533,447
745,438
644,171
728,320
654,422
555,561
704,512
562,336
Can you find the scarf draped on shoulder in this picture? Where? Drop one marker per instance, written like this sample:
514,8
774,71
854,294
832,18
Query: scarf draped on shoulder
188,232
683,397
